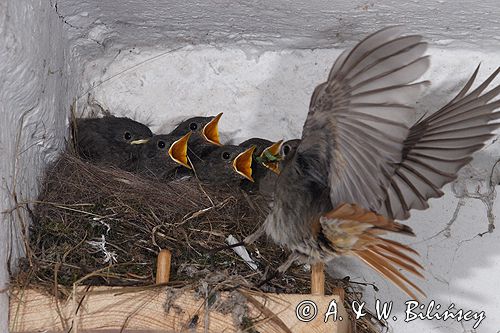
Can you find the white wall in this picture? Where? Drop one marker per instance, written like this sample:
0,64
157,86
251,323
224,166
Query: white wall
267,94
107,26
36,83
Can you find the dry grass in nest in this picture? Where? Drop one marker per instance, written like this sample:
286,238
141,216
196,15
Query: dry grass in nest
96,225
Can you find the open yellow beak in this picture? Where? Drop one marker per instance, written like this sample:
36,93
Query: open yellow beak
178,151
139,142
274,150
211,131
242,164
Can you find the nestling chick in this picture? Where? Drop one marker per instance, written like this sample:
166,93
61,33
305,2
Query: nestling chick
225,165
205,135
265,165
162,155
110,140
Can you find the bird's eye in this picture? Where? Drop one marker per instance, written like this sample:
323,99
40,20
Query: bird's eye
127,136
286,150
161,144
226,155
193,126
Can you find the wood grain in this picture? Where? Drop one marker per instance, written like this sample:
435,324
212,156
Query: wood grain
163,266
106,309
318,279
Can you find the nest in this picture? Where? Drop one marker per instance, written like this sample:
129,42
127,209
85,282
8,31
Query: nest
96,225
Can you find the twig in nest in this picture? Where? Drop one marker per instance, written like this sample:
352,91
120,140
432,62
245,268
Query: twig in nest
205,210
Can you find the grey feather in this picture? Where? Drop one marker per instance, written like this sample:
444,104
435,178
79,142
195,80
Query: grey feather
438,146
353,135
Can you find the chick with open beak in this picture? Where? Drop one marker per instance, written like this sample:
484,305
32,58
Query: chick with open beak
225,165
204,138
110,140
205,127
162,156
265,165
266,154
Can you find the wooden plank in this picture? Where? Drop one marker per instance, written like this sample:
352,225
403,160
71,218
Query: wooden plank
318,279
106,309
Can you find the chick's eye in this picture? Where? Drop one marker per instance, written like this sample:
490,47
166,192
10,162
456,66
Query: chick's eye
226,155
193,126
127,136
161,144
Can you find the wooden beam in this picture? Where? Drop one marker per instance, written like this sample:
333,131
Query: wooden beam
106,309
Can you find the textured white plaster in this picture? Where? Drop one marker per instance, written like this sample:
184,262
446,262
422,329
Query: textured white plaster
272,23
267,94
35,90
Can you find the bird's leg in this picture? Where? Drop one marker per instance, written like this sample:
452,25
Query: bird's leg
282,269
247,241
286,265
250,239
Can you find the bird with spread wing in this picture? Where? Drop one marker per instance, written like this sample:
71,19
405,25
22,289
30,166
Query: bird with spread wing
360,164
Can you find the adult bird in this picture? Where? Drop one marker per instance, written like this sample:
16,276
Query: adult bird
359,164
110,140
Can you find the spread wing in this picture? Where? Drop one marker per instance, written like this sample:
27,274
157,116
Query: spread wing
358,119
439,145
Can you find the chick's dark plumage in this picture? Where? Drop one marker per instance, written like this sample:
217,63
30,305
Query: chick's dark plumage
109,140
218,166
154,159
259,143
194,124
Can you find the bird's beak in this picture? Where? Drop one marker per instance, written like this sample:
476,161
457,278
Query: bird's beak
273,150
178,151
139,142
211,131
242,164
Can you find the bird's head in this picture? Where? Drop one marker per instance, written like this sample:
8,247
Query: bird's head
270,157
127,131
226,164
162,150
206,127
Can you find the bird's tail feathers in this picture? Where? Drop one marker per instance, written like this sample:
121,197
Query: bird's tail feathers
353,230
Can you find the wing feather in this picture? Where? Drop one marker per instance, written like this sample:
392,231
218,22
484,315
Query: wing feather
359,119
438,146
